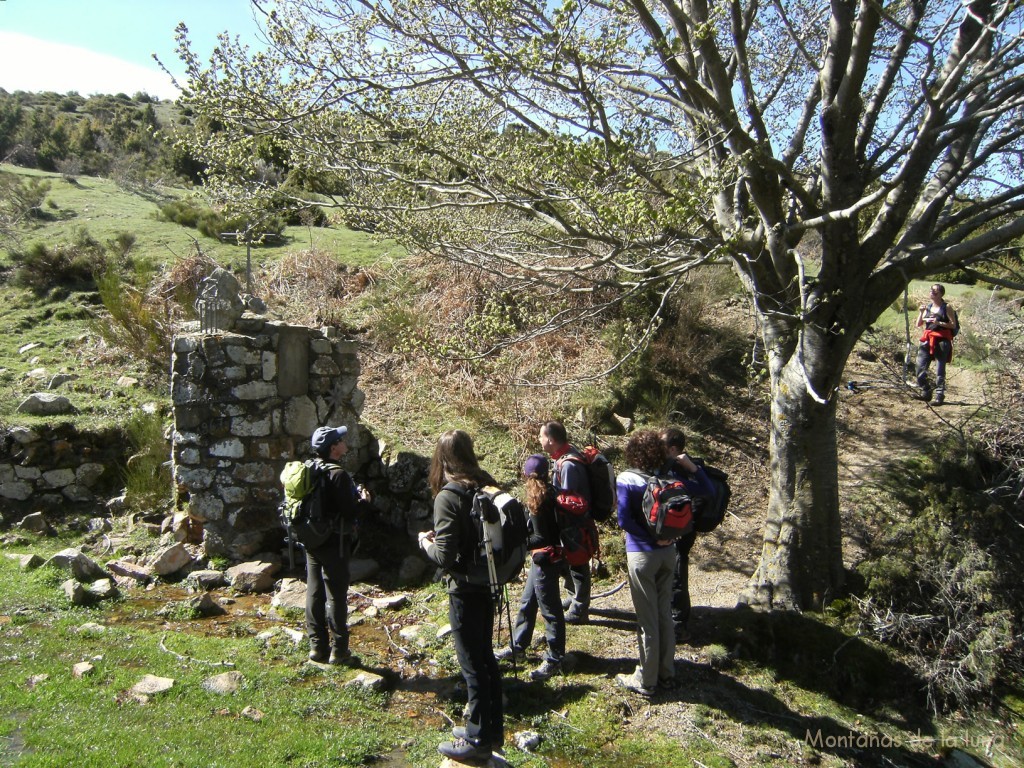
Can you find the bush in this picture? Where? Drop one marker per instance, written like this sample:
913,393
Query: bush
133,321
72,266
147,477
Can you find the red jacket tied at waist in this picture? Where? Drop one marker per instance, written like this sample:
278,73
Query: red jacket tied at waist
932,338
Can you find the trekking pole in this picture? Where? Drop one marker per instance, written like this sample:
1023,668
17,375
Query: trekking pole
291,549
496,592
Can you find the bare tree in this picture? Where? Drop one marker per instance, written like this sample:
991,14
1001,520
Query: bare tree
615,144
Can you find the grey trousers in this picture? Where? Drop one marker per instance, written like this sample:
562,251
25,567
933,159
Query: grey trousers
650,583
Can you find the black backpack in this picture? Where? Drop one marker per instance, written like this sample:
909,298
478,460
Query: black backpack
709,511
667,508
500,522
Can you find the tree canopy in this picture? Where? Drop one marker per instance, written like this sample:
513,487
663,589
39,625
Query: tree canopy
831,153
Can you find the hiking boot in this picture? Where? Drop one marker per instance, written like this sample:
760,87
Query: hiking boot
546,670
940,398
567,604
923,393
459,732
463,749
343,659
633,683
318,656
508,653
668,684
682,633
576,617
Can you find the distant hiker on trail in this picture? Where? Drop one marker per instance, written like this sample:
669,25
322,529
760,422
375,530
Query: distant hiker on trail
542,590
327,564
651,564
940,326
681,466
470,606
573,485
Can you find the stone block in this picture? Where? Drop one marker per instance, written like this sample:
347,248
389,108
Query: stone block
269,363
325,366
300,416
255,473
251,427
293,361
77,493
206,507
88,474
58,478
229,449
16,491
255,390
28,473
241,355
193,479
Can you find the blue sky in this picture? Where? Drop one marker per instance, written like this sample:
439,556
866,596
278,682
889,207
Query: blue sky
107,46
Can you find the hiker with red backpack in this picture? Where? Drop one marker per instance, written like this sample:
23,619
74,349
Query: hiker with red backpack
572,483
697,483
542,591
651,559
940,324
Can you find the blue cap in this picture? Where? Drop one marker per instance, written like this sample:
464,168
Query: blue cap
537,464
325,437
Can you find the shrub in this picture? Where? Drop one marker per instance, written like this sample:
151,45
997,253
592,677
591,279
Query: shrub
73,265
147,476
134,321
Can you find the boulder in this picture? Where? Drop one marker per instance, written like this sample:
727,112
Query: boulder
81,567
225,684
36,523
170,560
254,576
46,404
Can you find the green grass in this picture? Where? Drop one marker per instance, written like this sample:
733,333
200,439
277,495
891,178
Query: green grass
105,209
62,324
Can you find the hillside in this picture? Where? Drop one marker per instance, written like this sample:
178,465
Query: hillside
756,690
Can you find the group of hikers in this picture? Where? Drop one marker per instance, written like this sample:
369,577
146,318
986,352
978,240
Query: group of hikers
556,486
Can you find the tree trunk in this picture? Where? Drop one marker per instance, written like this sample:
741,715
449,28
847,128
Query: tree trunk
801,561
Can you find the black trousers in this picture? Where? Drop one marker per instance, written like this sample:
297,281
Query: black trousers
327,595
472,618
681,579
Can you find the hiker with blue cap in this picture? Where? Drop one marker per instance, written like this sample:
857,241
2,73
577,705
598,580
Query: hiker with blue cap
327,564
543,584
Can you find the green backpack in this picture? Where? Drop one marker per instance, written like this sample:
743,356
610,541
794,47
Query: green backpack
303,512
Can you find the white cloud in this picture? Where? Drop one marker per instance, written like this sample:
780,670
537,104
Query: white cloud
30,64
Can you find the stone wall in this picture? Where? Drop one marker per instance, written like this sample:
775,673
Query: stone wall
245,402
52,467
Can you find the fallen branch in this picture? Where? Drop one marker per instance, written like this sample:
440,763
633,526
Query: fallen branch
396,646
610,592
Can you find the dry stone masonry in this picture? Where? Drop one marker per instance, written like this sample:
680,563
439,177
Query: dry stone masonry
51,467
245,402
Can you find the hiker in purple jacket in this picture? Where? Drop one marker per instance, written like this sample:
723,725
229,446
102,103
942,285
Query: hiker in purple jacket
651,564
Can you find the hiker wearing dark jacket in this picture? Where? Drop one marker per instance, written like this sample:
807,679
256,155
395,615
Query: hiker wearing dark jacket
542,584
573,486
454,471
327,565
939,322
682,467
